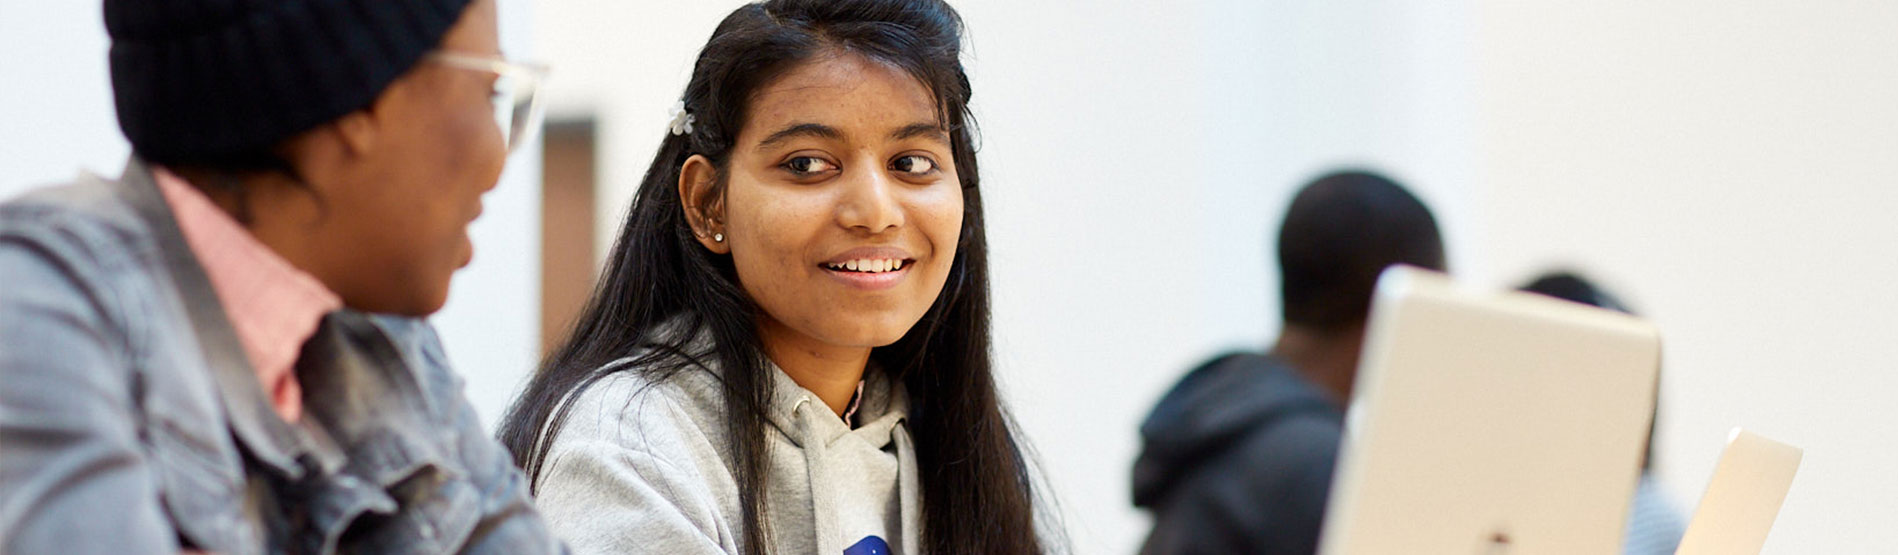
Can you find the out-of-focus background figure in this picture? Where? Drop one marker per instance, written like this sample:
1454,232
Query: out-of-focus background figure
1238,456
1655,526
1727,166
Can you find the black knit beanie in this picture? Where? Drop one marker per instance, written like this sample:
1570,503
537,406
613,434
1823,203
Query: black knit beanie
222,82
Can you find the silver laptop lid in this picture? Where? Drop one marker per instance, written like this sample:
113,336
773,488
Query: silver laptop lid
1491,422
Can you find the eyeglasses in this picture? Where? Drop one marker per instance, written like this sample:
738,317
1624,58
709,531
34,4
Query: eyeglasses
516,92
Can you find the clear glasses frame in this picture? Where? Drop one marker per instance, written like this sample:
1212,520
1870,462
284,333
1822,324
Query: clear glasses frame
516,96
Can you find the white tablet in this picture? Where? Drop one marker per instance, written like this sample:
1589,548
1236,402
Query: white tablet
1743,498
1491,422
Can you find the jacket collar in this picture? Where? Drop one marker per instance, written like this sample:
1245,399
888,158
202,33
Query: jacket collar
267,437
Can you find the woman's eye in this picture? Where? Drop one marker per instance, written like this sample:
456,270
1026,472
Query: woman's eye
914,165
804,165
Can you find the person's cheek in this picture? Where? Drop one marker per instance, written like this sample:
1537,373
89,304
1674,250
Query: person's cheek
945,225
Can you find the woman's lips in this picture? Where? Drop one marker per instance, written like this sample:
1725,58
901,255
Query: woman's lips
869,281
869,268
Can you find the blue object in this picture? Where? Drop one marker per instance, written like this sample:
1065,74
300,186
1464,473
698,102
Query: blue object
869,545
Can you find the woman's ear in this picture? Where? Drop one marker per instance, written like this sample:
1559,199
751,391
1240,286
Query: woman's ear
704,207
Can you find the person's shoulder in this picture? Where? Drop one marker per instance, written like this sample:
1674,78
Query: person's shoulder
416,342
87,199
81,248
1233,393
1237,369
1300,433
1310,435
627,406
82,221
635,463
1290,460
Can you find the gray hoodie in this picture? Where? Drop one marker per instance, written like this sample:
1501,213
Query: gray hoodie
642,467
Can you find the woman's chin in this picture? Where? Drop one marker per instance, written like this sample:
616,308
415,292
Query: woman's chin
869,333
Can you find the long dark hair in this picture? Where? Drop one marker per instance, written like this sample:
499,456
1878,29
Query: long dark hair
977,495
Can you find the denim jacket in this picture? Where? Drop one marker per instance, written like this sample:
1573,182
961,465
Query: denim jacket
131,421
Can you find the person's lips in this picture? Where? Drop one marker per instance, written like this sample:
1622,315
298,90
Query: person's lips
869,268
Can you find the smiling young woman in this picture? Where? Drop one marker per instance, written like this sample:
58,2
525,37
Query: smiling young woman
841,213
789,351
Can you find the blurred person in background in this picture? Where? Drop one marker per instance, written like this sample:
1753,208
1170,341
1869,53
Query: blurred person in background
1238,456
1654,526
789,351
188,355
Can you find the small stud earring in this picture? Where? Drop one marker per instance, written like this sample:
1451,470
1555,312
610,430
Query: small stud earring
718,237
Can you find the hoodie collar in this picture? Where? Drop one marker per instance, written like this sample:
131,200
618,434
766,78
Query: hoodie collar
880,406
811,425
804,420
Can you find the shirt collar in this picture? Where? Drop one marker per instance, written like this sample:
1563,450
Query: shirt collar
274,443
272,305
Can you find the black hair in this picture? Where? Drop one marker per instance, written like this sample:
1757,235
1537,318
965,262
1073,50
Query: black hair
1572,287
226,176
976,490
1341,231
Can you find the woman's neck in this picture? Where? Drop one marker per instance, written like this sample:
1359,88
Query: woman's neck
830,371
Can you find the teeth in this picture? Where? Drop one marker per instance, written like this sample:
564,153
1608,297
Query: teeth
867,265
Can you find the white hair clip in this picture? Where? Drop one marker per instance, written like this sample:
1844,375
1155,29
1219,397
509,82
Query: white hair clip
681,119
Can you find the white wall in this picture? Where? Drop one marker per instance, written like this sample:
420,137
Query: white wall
1729,166
622,64
56,114
56,117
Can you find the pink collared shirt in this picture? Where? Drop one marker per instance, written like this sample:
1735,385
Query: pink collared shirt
273,306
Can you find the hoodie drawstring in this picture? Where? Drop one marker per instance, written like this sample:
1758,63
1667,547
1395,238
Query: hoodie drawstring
907,480
824,525
827,535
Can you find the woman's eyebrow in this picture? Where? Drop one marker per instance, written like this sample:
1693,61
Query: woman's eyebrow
923,130
801,130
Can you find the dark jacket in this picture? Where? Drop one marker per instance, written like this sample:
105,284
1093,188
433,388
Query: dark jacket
1237,458
132,422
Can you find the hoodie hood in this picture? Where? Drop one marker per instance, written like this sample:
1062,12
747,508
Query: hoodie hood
1215,406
